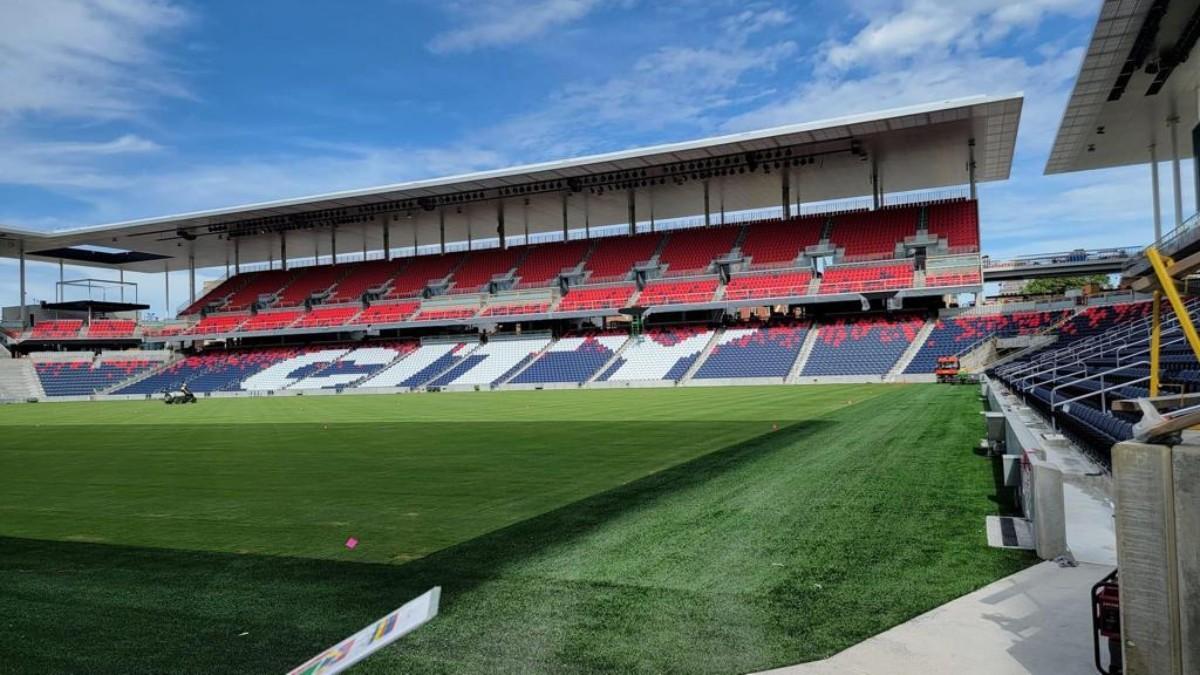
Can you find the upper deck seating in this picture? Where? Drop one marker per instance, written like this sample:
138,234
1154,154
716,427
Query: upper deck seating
957,221
780,243
861,345
573,358
544,262
659,354
268,282
614,257
216,324
779,284
584,298
270,321
692,291
420,271
754,351
310,280
871,235
480,266
322,317
392,312
362,277
111,328
56,329
866,278
692,251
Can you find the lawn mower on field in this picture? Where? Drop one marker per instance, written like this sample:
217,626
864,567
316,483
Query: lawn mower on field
179,396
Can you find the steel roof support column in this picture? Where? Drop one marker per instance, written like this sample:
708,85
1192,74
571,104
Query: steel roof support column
192,276
387,237
799,199
525,217
441,230
500,231
721,198
587,216
874,183
237,256
364,243
1154,192
971,166
652,207
21,265
283,251
121,280
167,287
333,245
1173,123
413,221
707,212
61,278
631,206
785,183
469,233
564,215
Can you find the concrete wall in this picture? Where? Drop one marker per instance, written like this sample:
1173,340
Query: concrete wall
1158,551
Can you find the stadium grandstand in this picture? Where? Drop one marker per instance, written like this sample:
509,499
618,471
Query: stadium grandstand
672,293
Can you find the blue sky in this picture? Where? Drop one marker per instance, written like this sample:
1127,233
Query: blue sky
118,109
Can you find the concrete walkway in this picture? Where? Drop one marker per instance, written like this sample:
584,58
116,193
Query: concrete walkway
1035,621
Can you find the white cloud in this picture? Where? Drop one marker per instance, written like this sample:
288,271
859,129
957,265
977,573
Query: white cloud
505,22
915,27
87,59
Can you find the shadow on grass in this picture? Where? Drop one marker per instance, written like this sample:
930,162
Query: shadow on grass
97,608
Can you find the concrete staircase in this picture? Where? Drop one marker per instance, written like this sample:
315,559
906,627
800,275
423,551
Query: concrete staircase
910,353
806,350
19,380
704,354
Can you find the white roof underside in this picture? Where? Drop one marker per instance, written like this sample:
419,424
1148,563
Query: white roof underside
916,148
1136,120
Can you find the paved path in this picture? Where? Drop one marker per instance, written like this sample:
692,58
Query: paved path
1035,621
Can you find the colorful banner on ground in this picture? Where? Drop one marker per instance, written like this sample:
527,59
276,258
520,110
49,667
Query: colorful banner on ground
374,637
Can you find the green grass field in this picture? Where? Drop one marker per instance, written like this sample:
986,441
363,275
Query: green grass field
690,530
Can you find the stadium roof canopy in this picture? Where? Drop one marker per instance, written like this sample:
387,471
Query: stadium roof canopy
914,148
1135,77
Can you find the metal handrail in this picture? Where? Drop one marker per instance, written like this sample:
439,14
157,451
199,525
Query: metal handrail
1099,392
1092,377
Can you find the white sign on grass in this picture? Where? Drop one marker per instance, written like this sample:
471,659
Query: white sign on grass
374,637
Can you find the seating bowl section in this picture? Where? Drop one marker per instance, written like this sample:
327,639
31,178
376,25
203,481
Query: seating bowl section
861,345
764,351
492,363
771,285
111,328
869,235
83,377
958,222
692,251
421,365
780,243
573,358
659,354
213,371
544,262
694,291
596,299
56,329
614,257
952,335
866,278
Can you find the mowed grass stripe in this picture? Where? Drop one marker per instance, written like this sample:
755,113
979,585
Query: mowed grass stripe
751,549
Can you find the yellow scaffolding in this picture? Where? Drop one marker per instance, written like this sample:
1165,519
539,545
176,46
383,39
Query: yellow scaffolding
1166,285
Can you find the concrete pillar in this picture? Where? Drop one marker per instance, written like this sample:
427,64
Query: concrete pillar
1154,192
1176,184
191,276
21,265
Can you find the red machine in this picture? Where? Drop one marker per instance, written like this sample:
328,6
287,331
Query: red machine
947,369
1106,623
